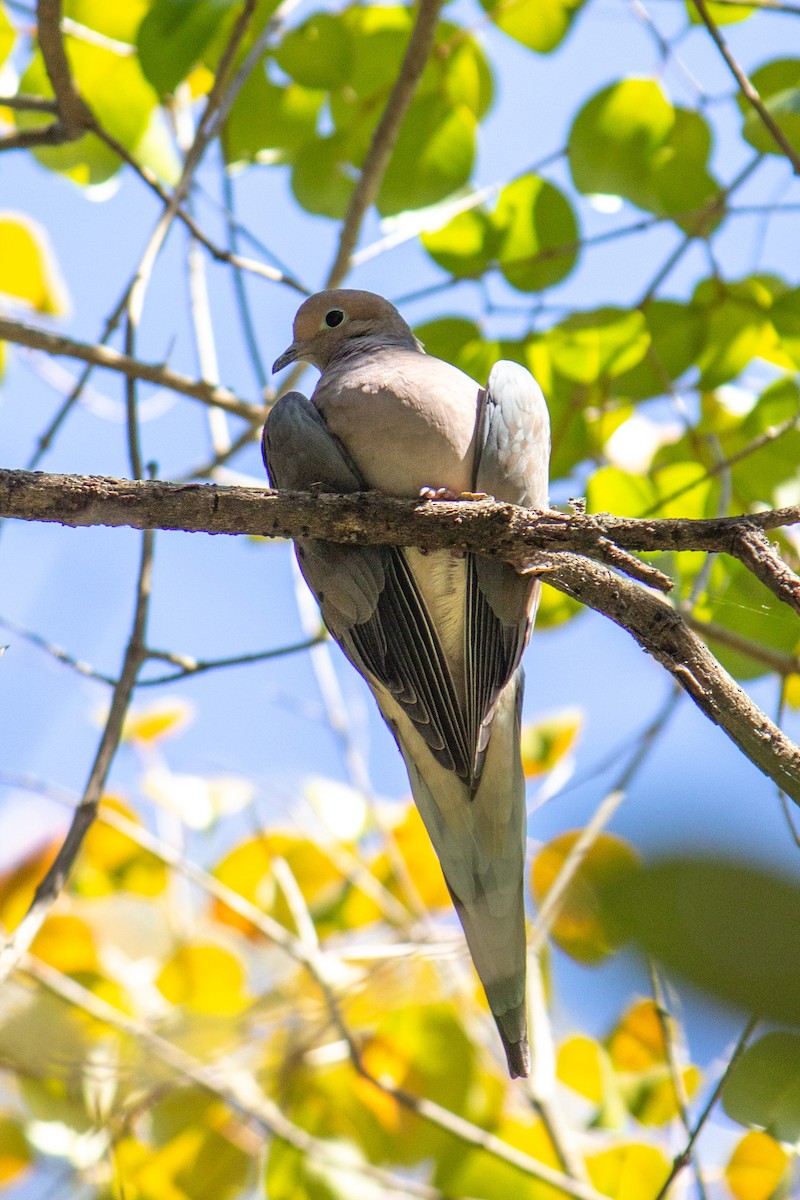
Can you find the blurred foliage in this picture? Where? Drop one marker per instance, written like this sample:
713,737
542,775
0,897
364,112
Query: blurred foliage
161,1043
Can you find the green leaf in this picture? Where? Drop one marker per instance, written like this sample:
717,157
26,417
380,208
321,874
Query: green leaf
15,1153
677,332
465,246
538,232
615,137
721,14
680,182
538,24
479,1173
786,319
124,103
173,36
763,1087
757,477
736,600
590,346
432,157
461,343
268,122
118,21
738,327
721,925
459,68
322,178
778,84
318,54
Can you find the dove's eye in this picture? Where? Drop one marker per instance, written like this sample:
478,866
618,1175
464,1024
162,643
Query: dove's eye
334,317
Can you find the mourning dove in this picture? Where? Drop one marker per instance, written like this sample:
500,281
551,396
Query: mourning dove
437,636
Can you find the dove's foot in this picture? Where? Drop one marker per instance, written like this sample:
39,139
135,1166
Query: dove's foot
443,493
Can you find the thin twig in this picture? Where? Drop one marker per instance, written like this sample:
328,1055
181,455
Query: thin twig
747,89
50,887
99,355
386,133
190,666
684,1158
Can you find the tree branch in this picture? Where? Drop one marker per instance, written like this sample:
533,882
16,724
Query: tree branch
747,89
101,356
386,132
524,538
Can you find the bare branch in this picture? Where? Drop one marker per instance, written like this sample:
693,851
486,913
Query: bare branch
99,355
484,526
753,548
377,157
747,89
50,887
497,530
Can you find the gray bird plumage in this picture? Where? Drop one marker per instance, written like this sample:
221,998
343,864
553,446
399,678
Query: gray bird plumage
438,637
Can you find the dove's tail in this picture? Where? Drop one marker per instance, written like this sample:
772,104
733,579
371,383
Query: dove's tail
480,842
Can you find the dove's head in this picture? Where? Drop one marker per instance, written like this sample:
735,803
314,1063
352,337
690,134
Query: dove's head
343,320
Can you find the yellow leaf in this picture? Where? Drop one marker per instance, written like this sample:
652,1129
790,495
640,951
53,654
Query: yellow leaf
578,928
204,979
791,691
630,1172
581,1065
28,269
248,871
15,1153
163,719
637,1043
756,1167
17,886
7,38
546,742
110,861
66,942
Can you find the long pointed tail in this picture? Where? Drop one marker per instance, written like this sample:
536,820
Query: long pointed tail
480,842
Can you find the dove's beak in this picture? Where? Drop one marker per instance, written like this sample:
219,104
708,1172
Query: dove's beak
290,355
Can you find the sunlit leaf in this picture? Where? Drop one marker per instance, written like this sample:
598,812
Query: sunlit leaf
15,1153
545,743
204,979
197,1153
786,319
268,122
197,800
66,943
763,1086
123,101
116,21
173,36
637,1042
29,272
466,245
628,1172
18,884
756,1167
432,156
537,232
677,333
588,346
736,600
720,925
163,719
615,138
110,861
322,178
555,608
721,14
539,24
318,53
478,1174
583,1065
738,327
7,36
578,928
778,84
248,870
